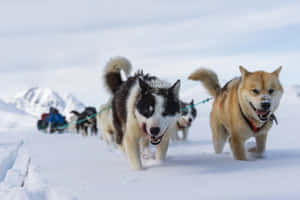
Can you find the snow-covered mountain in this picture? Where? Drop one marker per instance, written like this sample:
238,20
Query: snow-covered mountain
13,118
38,100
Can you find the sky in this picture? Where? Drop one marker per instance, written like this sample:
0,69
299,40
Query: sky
64,44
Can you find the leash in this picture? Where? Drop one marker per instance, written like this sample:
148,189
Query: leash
109,107
85,119
201,102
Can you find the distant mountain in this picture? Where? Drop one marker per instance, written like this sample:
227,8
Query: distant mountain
72,103
9,107
12,118
36,101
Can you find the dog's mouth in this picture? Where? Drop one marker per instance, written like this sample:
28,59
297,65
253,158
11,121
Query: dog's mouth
153,139
263,115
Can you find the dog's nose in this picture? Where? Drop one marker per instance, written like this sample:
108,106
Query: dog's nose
154,131
266,105
190,120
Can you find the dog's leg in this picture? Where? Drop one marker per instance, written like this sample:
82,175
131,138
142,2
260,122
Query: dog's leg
145,144
162,148
85,131
220,136
133,151
238,148
185,133
260,145
106,137
174,136
261,141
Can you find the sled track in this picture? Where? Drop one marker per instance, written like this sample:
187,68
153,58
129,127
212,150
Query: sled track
8,158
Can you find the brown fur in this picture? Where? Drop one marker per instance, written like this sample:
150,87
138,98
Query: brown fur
209,80
226,120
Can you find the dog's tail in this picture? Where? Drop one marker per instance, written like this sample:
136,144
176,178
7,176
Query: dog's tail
209,80
75,112
112,74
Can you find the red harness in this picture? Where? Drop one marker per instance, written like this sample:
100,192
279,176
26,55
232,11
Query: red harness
252,125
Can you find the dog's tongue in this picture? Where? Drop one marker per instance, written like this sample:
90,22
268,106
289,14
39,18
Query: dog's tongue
260,112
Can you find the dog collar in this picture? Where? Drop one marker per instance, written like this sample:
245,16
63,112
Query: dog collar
251,124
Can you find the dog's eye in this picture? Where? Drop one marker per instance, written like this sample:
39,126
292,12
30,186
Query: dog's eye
255,91
271,91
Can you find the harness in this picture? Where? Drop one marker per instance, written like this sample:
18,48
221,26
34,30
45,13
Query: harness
251,124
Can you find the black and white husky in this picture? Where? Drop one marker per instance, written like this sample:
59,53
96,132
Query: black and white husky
143,106
188,115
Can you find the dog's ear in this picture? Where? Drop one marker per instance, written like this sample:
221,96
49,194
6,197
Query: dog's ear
244,71
277,71
175,88
192,102
144,86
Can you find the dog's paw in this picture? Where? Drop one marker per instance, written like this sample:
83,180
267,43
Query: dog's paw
148,155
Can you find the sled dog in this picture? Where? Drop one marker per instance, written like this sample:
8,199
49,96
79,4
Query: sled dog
188,115
85,120
143,106
243,108
105,124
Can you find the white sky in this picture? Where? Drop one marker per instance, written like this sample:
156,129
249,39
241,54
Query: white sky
64,45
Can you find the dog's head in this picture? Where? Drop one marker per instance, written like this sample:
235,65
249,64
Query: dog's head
188,114
260,93
157,109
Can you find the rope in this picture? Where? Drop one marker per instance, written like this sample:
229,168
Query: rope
108,107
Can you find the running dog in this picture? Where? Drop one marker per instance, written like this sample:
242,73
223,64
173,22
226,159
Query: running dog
188,115
243,108
143,106
105,124
86,119
72,123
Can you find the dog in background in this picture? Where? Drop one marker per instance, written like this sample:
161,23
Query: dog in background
105,124
188,115
143,106
243,108
72,123
85,120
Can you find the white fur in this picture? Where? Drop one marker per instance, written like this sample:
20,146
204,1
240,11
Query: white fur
183,121
72,124
134,133
105,124
118,63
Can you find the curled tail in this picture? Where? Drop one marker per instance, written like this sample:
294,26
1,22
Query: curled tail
75,112
112,74
209,80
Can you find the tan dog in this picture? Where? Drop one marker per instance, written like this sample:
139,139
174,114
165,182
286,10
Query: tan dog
105,124
243,108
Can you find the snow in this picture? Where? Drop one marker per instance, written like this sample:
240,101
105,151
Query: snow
70,166
36,101
13,118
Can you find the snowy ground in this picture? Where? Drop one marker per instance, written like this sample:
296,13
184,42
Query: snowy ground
72,167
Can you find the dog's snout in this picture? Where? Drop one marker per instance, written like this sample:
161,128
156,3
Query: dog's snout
190,120
266,105
154,131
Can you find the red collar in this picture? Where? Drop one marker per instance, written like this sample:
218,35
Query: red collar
251,124
253,127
